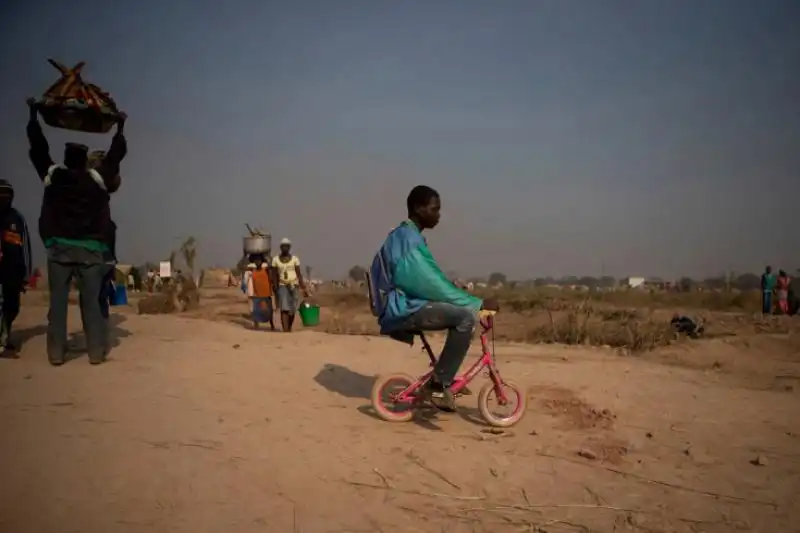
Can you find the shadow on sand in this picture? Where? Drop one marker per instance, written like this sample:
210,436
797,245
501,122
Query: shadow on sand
345,382
76,344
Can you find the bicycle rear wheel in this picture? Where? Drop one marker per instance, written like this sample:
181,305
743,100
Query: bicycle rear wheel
384,398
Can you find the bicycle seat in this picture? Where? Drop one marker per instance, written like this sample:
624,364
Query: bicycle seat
406,337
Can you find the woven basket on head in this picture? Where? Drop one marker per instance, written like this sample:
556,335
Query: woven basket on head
73,104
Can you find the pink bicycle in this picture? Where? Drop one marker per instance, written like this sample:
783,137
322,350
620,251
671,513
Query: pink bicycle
395,397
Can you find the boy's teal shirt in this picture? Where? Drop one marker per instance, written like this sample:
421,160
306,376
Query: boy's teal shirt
405,277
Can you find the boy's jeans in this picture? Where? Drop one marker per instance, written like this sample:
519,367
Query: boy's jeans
459,322
90,269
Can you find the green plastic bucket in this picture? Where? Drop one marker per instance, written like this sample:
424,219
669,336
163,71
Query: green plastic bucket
309,314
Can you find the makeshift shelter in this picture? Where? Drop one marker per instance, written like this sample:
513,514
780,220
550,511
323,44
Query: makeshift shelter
73,104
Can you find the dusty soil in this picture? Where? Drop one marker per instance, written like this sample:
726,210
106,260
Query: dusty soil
196,425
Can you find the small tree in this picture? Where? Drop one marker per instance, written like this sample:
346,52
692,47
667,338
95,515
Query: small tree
497,278
308,272
189,254
686,284
356,273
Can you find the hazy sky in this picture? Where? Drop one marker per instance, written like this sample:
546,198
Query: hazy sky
653,137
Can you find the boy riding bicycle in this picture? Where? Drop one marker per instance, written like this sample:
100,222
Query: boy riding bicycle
411,293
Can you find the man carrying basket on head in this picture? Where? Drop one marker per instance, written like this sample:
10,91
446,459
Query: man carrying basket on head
76,227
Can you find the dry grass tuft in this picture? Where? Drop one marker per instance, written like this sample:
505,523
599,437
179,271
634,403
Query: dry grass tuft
587,325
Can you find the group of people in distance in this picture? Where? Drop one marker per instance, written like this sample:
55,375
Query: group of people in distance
277,279
781,288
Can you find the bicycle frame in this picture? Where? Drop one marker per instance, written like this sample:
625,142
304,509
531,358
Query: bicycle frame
485,361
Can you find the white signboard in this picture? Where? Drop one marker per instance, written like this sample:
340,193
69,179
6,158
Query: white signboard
165,269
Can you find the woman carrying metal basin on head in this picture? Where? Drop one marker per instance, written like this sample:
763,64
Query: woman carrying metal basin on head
257,279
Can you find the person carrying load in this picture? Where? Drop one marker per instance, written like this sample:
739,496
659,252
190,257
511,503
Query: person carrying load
78,233
288,279
258,286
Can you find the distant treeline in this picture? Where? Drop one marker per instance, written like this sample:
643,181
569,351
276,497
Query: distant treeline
742,282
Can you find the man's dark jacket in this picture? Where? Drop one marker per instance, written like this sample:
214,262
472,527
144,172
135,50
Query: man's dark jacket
76,202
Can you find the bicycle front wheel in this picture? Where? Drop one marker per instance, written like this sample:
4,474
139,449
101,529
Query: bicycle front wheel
502,415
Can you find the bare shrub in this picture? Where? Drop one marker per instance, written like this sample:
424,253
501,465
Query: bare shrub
176,295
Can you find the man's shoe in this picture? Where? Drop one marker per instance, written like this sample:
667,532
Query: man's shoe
98,360
56,362
440,397
10,352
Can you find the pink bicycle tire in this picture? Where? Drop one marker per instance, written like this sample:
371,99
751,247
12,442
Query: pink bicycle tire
517,392
380,406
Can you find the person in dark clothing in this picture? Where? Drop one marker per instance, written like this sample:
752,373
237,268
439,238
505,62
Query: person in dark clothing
768,282
76,227
15,265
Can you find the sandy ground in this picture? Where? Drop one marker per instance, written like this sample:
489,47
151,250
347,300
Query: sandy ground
198,426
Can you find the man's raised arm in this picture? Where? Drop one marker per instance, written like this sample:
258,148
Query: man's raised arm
109,168
39,151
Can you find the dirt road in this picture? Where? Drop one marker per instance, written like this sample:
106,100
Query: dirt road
196,426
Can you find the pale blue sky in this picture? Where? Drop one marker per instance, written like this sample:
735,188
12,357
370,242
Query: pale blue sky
653,137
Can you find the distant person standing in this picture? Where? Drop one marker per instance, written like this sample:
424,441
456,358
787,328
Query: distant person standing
78,233
289,279
15,265
767,288
782,290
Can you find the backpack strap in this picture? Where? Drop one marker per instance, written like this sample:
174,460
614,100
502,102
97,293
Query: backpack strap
98,179
48,178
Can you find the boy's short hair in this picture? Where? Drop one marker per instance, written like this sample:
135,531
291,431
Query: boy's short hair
420,196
